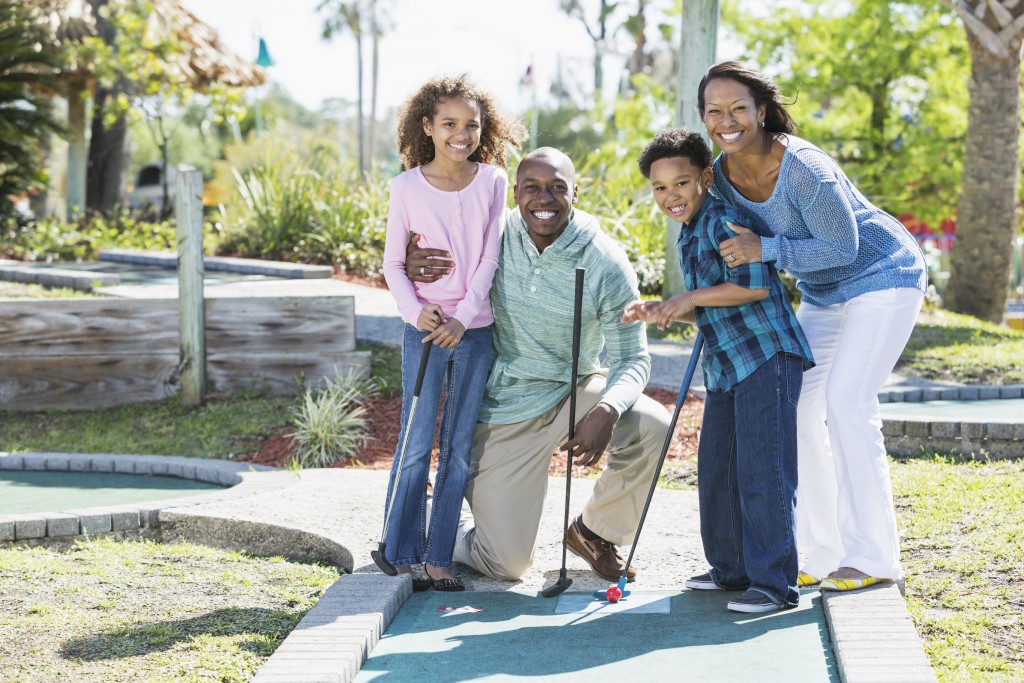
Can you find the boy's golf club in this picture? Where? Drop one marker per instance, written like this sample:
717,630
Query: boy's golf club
564,581
617,591
379,558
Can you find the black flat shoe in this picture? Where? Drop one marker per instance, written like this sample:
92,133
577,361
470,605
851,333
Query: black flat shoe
419,585
444,585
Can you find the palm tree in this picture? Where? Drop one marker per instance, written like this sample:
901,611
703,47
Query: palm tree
987,214
27,64
340,16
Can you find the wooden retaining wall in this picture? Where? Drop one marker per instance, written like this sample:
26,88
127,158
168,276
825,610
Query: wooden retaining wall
90,353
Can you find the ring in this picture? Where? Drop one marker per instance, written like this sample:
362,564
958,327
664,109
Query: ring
730,258
423,270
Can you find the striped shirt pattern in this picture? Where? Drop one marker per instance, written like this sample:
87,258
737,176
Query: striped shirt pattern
737,339
532,302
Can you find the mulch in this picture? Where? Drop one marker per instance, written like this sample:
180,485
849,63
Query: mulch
384,423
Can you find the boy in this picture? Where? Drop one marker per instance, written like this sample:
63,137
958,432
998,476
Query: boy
754,357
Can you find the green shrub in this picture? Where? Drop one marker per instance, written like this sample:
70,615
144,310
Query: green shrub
331,421
50,239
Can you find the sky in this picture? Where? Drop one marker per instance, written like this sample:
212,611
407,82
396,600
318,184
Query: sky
494,40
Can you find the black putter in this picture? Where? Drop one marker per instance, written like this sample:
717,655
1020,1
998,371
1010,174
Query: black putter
379,558
620,588
564,581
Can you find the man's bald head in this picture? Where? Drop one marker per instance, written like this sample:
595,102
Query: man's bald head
552,156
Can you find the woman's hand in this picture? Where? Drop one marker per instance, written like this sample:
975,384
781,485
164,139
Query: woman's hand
745,247
426,265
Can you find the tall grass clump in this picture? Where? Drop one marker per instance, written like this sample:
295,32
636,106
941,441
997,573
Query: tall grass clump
294,204
330,421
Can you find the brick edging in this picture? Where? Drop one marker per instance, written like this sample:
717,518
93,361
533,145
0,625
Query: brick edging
65,525
959,393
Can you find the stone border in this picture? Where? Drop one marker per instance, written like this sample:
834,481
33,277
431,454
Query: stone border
67,525
955,393
83,281
874,638
300,271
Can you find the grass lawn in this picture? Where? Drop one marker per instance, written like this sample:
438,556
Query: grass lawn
963,551
141,611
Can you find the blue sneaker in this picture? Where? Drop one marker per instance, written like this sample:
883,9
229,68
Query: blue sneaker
754,601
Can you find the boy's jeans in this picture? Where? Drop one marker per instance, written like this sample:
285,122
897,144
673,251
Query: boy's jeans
461,372
746,480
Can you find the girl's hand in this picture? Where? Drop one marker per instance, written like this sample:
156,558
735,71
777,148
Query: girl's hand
635,311
447,335
671,310
430,317
745,247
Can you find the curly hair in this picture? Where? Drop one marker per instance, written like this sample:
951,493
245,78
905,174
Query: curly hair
675,142
765,91
416,148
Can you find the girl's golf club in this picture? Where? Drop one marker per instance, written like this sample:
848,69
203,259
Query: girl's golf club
564,581
378,555
617,591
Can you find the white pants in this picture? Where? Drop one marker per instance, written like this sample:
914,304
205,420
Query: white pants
845,515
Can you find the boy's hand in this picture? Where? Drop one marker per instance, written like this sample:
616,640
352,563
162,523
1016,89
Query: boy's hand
430,317
447,335
671,310
745,247
636,311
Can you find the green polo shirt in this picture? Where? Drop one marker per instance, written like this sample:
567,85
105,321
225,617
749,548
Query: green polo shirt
532,302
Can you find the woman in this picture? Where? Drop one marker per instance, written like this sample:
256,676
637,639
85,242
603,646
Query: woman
863,279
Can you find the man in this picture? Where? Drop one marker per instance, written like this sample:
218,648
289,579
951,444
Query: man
525,410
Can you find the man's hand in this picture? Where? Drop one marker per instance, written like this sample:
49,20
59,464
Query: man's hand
592,435
426,265
447,335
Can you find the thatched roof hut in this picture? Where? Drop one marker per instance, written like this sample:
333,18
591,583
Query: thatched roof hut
205,61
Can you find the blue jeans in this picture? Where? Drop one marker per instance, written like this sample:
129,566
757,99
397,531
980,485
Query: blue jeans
461,373
746,480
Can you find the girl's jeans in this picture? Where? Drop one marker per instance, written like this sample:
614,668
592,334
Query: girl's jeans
461,373
746,480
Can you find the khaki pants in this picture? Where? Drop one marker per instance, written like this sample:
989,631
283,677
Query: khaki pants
509,479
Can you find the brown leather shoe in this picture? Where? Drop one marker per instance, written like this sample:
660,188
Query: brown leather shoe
600,554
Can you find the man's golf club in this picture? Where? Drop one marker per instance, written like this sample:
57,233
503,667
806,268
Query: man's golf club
379,558
617,591
564,581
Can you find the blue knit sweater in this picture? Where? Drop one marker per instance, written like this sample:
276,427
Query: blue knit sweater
822,230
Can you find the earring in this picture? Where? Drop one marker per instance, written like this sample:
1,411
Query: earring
762,124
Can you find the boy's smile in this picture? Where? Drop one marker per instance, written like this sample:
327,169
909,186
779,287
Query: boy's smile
679,187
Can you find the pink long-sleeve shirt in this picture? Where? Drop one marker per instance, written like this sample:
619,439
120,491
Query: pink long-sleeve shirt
467,224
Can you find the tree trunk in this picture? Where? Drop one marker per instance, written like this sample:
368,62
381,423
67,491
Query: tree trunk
106,158
374,82
987,215
361,136
75,192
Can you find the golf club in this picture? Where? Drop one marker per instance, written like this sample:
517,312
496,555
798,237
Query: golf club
617,591
564,581
379,558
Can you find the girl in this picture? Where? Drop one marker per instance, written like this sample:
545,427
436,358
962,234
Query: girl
452,140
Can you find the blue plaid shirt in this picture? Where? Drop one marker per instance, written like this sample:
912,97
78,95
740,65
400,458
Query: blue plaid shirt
737,339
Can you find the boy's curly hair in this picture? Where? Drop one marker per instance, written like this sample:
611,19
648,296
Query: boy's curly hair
675,142
417,148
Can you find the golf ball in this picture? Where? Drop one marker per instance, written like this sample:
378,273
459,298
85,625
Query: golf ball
613,593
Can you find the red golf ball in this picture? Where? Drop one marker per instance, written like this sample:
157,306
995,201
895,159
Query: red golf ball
613,593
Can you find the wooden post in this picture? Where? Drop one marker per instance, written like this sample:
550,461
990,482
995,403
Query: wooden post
191,308
75,179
